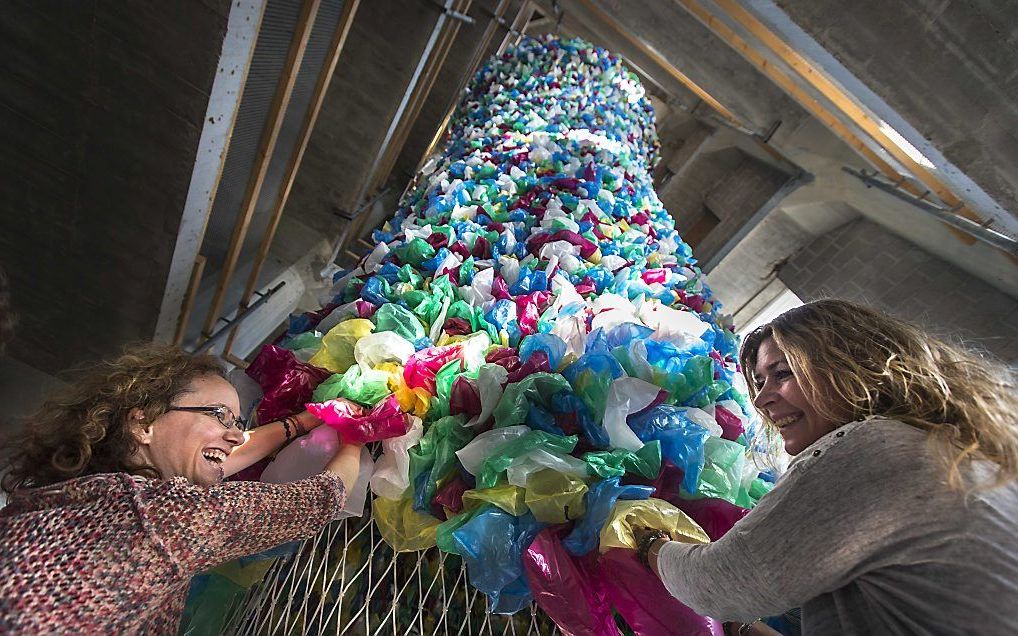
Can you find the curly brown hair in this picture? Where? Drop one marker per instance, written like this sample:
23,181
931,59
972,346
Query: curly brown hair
84,430
879,365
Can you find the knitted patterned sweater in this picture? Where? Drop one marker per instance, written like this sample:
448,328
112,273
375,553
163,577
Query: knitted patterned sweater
113,553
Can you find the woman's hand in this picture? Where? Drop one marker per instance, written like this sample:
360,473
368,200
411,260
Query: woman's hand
346,463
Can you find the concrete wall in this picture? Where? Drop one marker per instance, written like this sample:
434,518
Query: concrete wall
863,262
101,109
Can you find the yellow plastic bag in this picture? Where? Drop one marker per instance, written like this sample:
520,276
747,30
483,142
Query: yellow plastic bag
506,496
648,513
555,497
336,353
402,527
416,401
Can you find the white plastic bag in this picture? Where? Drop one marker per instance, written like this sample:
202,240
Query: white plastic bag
540,459
626,396
472,455
307,456
392,471
383,346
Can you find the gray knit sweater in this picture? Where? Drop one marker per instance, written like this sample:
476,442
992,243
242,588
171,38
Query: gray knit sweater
863,534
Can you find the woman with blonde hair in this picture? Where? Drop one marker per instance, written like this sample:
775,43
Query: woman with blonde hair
899,511
118,499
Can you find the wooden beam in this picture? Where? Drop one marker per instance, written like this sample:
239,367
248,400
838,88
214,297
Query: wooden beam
307,126
843,102
266,146
192,292
660,60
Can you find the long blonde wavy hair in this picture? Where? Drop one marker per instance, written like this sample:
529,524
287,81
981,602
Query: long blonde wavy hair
85,429
853,362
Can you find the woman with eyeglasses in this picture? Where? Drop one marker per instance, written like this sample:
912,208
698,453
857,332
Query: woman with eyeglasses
118,499
899,511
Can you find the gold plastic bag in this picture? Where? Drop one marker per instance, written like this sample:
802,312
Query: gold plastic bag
506,496
336,353
555,497
648,513
402,527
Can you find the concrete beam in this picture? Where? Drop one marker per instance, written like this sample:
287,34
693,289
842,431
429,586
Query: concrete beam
224,103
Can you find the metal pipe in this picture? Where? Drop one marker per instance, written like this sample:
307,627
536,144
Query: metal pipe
973,229
239,318
407,96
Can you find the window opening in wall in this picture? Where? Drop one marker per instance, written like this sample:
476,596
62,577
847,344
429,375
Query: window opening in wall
783,302
703,225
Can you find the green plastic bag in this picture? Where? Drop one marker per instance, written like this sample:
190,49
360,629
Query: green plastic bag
502,457
721,476
415,252
399,320
516,399
645,462
436,452
365,387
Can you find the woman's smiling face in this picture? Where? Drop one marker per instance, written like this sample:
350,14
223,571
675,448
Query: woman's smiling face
781,399
190,444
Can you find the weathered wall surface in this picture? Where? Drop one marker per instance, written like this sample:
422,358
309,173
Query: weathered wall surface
863,262
101,108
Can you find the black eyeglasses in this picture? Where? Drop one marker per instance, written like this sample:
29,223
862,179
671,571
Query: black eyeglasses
221,413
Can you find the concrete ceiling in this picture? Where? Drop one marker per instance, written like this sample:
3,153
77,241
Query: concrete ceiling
750,183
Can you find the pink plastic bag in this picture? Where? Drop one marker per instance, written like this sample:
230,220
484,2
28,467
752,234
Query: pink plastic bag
287,383
644,603
355,426
564,591
421,368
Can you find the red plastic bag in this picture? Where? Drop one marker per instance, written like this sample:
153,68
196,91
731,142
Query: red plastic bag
644,603
385,420
465,398
450,496
564,591
287,383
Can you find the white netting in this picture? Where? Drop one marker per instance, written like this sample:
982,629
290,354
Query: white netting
346,580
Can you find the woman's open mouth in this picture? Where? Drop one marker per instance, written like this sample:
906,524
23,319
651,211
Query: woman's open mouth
214,455
787,420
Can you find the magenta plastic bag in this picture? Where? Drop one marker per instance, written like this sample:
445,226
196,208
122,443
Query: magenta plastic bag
731,424
715,516
385,420
287,383
563,590
644,603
